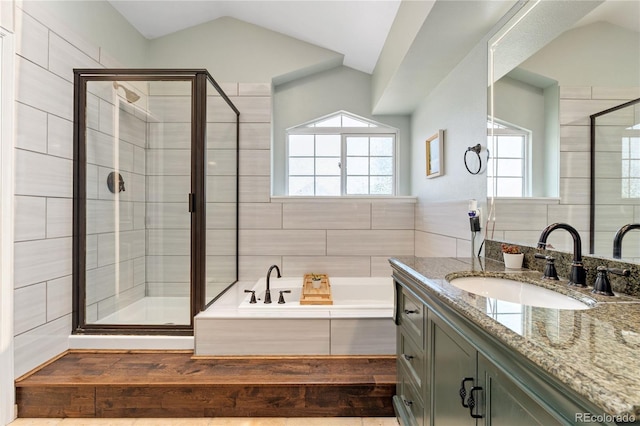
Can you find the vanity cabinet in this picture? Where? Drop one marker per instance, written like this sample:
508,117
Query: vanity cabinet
452,373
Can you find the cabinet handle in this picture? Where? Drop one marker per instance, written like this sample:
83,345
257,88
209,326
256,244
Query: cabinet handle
472,402
463,390
407,357
411,311
408,403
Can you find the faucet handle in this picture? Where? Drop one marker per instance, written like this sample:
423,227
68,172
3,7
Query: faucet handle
550,272
253,295
281,298
602,285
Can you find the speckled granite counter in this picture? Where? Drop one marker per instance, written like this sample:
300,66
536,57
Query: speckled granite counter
595,352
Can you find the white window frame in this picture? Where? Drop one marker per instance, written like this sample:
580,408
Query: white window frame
374,129
502,128
632,134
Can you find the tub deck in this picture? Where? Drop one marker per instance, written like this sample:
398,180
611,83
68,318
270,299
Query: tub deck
177,384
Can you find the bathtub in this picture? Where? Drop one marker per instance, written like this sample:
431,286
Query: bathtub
351,296
359,322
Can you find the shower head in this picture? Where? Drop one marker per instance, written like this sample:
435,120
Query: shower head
130,95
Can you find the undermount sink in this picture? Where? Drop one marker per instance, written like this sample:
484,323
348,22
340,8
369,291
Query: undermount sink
517,292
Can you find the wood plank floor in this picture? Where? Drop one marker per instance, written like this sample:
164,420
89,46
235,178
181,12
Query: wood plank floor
170,384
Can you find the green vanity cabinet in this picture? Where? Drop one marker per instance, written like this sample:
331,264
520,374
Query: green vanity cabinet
452,373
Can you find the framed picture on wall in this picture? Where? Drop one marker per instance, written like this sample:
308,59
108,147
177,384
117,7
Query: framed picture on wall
435,152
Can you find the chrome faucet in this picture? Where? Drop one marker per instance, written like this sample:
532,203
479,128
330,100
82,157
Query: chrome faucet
267,293
617,240
578,275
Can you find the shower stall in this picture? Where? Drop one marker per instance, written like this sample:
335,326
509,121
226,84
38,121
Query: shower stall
155,212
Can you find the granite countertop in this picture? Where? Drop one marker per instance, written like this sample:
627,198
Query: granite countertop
595,351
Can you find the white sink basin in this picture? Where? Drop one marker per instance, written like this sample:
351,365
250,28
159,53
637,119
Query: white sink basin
517,292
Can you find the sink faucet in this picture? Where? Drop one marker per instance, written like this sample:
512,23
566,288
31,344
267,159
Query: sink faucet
617,240
267,293
578,275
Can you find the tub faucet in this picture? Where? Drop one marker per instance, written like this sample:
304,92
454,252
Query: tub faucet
578,275
617,240
267,293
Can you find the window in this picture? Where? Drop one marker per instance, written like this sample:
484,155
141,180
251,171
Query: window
630,160
341,154
507,169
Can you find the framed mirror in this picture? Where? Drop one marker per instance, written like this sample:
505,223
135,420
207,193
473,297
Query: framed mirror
553,65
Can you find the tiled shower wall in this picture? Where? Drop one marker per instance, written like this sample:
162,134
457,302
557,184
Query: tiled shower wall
521,220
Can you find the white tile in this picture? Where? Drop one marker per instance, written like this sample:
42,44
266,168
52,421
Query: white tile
260,215
106,115
255,189
575,92
101,283
282,242
139,211
392,216
255,135
170,189
169,242
221,216
100,148
574,138
229,88
39,345
369,336
165,289
255,162
620,93
30,307
337,266
221,242
32,39
172,88
31,128
254,267
101,216
373,243
131,245
64,57
139,270
608,218
30,218
59,297
380,266
168,215
463,247
59,217
167,268
132,129
574,111
576,216
59,137
221,136
254,109
171,109
53,258
91,259
574,190
326,215
168,162
451,215
221,162
260,337
607,166
575,164
435,245
518,216
220,271
92,110
254,89
43,90
218,111
170,135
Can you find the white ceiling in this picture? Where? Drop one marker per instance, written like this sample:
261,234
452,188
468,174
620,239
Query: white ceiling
357,28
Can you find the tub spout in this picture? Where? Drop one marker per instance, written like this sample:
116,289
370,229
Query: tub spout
617,240
267,293
578,275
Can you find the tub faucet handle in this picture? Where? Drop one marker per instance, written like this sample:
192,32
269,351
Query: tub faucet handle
281,298
253,295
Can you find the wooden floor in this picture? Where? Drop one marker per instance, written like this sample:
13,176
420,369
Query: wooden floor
152,384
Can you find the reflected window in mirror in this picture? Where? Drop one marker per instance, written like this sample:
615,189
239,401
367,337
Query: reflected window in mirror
631,162
508,166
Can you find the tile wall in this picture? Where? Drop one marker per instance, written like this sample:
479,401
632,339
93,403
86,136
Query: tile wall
523,220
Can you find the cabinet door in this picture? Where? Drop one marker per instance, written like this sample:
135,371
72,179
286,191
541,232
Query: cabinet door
454,360
506,404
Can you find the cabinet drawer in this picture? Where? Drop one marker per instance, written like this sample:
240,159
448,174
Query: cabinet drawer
412,315
412,359
410,397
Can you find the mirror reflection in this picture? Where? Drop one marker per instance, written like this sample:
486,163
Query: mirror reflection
553,66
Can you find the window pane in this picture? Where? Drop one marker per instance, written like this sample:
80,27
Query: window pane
509,167
382,146
357,145
301,145
327,166
328,145
357,166
510,146
329,122
328,185
381,166
625,147
509,187
357,185
381,185
634,169
352,122
300,166
634,147
634,188
301,186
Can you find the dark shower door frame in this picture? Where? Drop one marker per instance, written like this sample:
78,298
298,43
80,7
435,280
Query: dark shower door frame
196,199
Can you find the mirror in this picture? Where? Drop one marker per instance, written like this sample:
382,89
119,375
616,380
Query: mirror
553,65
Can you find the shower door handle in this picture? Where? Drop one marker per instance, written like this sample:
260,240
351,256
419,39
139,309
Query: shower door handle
192,202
